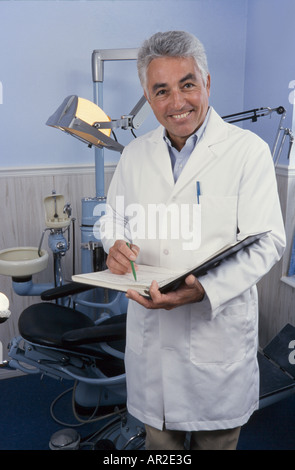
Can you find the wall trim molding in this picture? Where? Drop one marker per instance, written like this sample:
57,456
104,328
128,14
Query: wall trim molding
89,168
51,170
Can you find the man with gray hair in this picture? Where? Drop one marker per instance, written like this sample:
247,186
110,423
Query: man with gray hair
191,363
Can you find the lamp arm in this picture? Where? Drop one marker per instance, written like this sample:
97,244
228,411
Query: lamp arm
133,120
83,127
101,55
253,114
140,112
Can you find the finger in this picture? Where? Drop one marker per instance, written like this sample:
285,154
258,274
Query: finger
155,300
117,261
135,249
144,301
159,300
129,250
155,295
191,281
121,253
115,267
154,287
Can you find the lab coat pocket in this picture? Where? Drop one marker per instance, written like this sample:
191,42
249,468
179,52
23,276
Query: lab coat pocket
221,340
219,221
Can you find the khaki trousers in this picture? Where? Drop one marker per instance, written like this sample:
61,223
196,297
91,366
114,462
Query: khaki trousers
226,439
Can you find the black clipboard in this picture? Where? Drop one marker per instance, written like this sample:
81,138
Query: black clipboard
213,261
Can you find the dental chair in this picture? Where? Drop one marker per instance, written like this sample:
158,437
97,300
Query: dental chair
277,367
64,343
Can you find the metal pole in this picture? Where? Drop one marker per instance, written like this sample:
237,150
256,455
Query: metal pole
99,152
99,56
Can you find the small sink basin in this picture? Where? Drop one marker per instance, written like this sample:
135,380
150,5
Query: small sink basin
22,261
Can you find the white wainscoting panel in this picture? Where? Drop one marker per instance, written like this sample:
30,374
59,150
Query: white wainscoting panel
22,219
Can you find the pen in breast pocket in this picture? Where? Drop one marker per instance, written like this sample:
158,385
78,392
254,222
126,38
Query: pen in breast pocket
198,191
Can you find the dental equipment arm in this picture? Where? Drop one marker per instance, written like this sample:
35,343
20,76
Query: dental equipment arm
254,114
66,290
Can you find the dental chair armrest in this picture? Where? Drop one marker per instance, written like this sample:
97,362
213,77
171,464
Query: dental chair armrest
64,291
95,334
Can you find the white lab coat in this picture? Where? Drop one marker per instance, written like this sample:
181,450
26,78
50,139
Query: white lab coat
194,367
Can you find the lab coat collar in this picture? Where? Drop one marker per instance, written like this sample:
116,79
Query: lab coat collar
215,132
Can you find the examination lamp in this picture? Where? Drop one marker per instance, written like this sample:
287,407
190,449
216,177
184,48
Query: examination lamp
86,121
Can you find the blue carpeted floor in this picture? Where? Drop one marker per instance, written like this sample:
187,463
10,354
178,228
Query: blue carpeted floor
26,422
25,419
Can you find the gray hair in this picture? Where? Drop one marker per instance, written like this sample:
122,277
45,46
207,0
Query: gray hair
172,44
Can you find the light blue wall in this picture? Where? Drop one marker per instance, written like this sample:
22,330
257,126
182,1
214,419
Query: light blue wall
45,55
270,63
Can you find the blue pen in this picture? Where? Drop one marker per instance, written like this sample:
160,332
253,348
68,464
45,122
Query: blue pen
198,192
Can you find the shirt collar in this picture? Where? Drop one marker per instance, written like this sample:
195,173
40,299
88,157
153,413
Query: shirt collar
196,136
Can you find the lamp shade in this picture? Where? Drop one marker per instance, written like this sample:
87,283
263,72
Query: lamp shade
82,119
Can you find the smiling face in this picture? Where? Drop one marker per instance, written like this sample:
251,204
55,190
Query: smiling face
178,96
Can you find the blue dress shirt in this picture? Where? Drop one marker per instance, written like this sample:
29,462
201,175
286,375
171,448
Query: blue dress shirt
180,158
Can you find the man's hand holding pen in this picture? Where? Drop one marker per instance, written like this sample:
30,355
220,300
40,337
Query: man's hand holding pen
119,262
122,257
